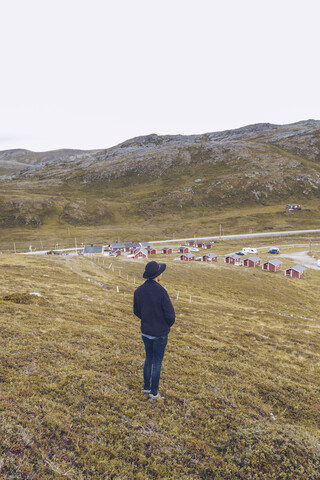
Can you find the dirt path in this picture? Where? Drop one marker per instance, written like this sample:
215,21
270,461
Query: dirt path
302,258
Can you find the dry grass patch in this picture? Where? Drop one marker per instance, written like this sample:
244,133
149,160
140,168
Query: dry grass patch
240,375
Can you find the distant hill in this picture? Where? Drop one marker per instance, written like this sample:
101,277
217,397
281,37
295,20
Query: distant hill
153,175
19,160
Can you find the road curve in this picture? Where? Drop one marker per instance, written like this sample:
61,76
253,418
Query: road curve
302,258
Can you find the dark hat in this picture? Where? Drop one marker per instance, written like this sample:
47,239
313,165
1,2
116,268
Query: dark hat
153,269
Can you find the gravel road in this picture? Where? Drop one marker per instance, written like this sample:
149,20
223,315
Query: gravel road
246,235
302,258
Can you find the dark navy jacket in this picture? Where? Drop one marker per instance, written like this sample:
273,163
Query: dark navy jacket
151,303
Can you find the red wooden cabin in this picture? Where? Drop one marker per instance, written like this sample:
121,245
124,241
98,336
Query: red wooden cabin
295,272
188,257
209,257
234,259
272,266
141,253
252,262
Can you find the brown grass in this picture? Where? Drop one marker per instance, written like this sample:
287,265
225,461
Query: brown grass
240,375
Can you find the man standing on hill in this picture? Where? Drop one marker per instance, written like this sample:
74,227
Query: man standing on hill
153,306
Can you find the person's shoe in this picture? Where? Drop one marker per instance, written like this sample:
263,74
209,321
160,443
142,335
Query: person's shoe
146,393
155,397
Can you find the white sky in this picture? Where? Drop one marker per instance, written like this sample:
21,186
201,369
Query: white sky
91,74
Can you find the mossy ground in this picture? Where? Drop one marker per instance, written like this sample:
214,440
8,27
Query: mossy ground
178,224
240,375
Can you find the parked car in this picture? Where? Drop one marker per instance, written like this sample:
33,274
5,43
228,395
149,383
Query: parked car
240,253
274,250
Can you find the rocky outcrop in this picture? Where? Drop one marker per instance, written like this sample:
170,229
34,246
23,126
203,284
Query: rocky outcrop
261,163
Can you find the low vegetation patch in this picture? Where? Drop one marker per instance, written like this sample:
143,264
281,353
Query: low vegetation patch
240,376
26,298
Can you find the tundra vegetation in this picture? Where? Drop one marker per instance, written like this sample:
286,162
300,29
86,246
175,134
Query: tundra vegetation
241,372
240,376
165,185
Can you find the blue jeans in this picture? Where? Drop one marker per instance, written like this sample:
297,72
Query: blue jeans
152,366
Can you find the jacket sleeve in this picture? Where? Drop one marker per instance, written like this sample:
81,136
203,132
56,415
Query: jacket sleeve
136,306
168,309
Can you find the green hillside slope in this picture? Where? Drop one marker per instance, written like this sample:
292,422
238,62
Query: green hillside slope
243,178
240,375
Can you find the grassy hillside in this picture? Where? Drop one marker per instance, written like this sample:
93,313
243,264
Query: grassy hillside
187,224
240,375
169,185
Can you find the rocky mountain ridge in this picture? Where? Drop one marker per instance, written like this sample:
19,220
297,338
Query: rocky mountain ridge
152,175
263,133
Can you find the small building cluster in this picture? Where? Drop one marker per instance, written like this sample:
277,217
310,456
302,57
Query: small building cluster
128,246
208,257
144,249
273,265
293,206
132,249
198,244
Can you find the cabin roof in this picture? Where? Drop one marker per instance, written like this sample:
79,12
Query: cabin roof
93,249
274,262
298,268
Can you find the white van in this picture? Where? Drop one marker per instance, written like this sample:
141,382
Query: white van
247,251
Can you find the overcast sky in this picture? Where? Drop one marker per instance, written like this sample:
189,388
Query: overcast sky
91,74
